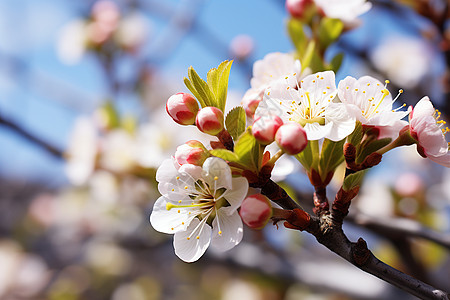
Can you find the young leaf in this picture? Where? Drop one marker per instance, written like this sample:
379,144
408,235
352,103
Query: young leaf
336,62
356,136
235,122
297,35
225,154
202,88
217,79
308,55
332,156
329,30
372,147
306,157
191,87
248,150
353,180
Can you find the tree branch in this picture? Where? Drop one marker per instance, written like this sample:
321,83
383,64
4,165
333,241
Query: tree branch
28,136
399,226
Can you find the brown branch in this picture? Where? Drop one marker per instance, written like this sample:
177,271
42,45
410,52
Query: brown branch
399,227
28,136
278,195
359,255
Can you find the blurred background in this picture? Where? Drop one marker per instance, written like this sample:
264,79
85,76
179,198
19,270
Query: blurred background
83,128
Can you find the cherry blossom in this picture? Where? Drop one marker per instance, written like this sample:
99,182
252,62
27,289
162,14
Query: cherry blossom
369,101
311,105
199,206
425,127
348,11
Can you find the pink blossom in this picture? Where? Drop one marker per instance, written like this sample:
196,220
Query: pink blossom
265,127
256,211
291,138
425,127
210,120
183,108
192,152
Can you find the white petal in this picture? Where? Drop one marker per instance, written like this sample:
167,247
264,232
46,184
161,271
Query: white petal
231,229
319,83
166,170
218,173
392,130
236,195
423,108
430,137
168,221
315,131
343,123
192,170
190,250
443,160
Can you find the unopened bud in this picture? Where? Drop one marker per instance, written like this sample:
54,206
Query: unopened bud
297,8
250,102
183,108
265,127
291,138
193,152
256,211
210,120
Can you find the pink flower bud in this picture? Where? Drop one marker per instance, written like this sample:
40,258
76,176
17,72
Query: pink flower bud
210,120
250,101
297,8
193,152
265,127
256,211
242,46
291,138
183,108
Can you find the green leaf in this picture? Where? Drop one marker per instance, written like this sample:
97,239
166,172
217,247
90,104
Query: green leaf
225,154
191,87
111,115
353,180
329,30
235,122
306,157
331,157
336,62
356,136
217,79
248,150
372,147
297,35
202,88
308,55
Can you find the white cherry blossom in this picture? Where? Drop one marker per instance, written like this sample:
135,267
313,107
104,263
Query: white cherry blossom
425,127
368,100
311,105
199,206
348,11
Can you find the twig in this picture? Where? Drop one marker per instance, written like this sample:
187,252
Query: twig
400,227
25,134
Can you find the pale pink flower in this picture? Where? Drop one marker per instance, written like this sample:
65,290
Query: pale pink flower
256,211
348,11
425,127
311,105
183,108
199,206
210,120
291,138
265,127
368,100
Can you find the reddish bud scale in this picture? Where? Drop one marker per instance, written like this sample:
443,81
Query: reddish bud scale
256,211
183,108
210,120
297,8
264,128
291,138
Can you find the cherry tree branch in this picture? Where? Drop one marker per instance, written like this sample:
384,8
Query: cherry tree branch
330,234
28,136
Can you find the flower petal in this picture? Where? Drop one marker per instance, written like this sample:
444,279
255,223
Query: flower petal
218,173
166,170
343,123
423,108
231,229
168,221
236,195
430,137
443,160
187,246
315,131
